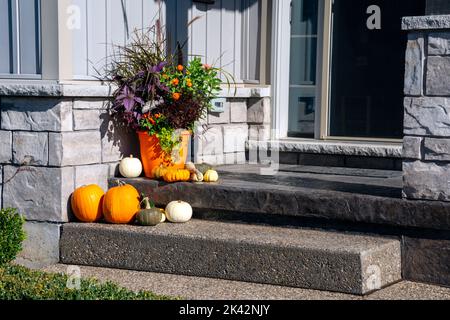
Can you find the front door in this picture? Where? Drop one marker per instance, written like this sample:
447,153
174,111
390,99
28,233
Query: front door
362,70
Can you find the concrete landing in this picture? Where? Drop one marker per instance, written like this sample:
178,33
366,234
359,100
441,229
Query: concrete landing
331,261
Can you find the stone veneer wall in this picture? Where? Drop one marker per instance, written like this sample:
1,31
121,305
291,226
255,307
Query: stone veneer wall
426,147
56,138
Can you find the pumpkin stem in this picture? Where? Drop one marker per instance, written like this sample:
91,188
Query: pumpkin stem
148,204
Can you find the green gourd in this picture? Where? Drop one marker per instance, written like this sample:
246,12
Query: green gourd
149,216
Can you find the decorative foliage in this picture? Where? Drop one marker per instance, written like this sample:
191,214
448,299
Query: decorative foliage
11,235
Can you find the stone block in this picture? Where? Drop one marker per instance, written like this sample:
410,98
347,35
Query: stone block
437,149
114,170
325,160
238,110
210,141
439,43
93,174
288,157
92,104
41,247
36,114
86,120
116,142
5,146
412,148
414,65
259,111
74,148
39,193
427,117
220,117
235,138
215,160
370,163
235,158
438,76
259,133
30,148
426,181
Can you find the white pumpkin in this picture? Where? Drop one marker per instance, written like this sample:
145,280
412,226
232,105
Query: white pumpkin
163,219
179,212
130,167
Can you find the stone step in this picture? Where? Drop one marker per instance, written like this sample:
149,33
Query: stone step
303,258
300,192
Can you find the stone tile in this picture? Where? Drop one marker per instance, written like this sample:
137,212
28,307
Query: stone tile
426,260
36,114
426,181
41,247
5,146
238,110
235,138
259,111
439,43
414,65
288,157
39,193
215,160
412,148
235,158
427,117
93,104
86,120
259,132
93,174
74,148
310,159
438,76
370,163
220,118
437,149
30,148
210,142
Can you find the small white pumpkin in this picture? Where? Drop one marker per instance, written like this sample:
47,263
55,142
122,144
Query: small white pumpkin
130,167
179,212
211,176
163,219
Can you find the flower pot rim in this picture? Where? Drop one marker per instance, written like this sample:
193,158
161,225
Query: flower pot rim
184,132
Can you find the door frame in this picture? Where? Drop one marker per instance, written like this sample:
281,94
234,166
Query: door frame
281,46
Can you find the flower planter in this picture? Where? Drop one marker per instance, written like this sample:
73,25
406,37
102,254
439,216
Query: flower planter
153,156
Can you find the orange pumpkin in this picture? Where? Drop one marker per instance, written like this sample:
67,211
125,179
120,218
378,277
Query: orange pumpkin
86,203
177,175
121,204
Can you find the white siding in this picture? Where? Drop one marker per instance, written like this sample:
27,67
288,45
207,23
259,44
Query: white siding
216,36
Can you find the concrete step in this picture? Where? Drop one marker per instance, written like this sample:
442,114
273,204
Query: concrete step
348,195
303,258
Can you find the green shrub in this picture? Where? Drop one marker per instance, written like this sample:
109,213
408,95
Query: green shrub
11,235
19,283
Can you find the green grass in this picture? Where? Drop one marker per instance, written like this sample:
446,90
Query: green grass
19,283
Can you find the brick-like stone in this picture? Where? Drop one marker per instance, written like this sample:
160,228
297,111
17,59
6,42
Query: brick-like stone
36,114
238,110
39,193
427,117
215,160
414,65
30,148
74,148
412,148
259,111
210,141
288,158
5,146
235,138
93,174
220,117
93,104
426,181
41,247
439,43
113,170
235,158
438,76
437,149
86,120
116,142
259,133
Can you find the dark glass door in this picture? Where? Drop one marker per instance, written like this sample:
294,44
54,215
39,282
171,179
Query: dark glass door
368,64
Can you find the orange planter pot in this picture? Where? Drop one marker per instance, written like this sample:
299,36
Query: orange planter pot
153,156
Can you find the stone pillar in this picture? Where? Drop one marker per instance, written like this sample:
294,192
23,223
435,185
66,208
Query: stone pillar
426,147
53,140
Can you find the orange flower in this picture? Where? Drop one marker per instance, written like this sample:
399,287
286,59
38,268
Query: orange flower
175,82
145,116
165,76
189,84
176,96
157,116
152,121
206,66
180,67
